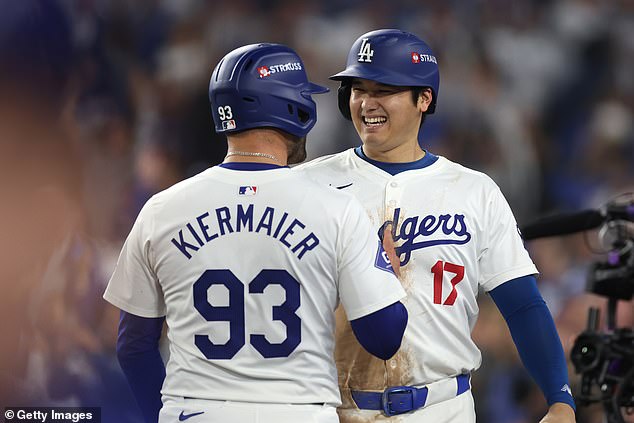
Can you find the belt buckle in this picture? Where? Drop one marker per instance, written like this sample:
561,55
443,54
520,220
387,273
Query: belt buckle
386,402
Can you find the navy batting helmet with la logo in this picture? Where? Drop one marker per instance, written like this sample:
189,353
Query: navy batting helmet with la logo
391,57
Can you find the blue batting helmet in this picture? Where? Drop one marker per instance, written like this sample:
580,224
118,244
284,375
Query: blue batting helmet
391,57
263,85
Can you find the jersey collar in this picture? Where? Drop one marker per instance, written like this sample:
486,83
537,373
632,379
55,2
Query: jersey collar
251,166
396,168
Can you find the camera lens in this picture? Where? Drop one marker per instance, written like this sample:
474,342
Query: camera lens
585,354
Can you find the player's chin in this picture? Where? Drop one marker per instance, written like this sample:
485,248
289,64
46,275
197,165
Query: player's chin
373,139
375,134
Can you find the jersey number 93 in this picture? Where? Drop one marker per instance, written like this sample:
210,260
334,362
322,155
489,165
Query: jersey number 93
234,313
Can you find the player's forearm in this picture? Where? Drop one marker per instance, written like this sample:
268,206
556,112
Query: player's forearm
381,332
542,354
141,362
535,336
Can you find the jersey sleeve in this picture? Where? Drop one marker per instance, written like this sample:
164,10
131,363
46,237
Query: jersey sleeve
503,255
365,283
134,286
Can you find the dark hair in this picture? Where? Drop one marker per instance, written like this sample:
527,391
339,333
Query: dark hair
416,92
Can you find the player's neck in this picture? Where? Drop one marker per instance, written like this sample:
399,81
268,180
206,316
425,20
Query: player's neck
402,153
257,145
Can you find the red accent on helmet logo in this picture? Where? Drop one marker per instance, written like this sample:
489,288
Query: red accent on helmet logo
264,71
415,57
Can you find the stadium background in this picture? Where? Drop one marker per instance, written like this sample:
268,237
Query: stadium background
538,94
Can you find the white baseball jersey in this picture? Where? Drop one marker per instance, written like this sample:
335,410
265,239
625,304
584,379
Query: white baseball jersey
248,267
454,233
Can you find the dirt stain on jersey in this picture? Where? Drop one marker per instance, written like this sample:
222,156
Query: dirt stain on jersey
352,416
405,272
361,371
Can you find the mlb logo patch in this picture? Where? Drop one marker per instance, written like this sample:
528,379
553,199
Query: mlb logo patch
228,124
248,190
264,71
415,57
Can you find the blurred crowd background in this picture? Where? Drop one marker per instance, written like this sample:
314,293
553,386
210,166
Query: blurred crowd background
539,94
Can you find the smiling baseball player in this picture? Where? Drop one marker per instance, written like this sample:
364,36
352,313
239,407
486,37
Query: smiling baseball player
248,261
449,232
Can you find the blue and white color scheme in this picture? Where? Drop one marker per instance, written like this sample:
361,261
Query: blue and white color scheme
263,85
392,57
454,233
263,243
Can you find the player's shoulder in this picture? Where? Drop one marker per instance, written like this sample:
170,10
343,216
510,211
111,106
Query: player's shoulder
178,187
319,188
477,177
174,192
325,199
330,162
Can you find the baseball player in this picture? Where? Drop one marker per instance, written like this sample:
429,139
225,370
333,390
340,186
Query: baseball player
246,262
449,232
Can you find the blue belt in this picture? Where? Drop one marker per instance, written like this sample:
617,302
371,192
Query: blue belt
402,399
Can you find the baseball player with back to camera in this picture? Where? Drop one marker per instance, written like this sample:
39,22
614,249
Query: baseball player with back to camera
246,262
449,231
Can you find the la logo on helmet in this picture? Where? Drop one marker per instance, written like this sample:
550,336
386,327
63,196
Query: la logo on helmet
365,52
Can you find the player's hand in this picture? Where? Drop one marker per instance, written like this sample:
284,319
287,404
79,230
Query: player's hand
390,248
559,413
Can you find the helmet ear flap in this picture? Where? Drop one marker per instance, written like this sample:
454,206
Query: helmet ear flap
343,99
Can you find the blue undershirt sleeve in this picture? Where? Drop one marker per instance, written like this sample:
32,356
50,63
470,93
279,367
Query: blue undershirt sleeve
381,332
141,362
535,336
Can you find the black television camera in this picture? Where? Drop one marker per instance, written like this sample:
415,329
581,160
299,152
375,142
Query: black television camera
604,359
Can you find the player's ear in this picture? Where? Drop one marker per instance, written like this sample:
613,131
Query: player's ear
424,99
343,99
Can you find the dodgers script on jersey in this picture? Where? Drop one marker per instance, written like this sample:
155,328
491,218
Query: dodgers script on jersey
248,268
454,233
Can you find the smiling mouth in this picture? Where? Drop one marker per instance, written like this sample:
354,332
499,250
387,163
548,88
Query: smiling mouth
374,122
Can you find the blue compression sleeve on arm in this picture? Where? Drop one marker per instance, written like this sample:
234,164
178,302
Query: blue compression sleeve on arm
381,332
535,336
139,357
